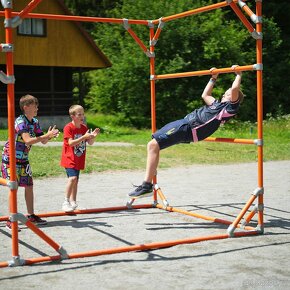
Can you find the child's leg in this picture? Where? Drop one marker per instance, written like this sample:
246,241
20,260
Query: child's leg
153,151
70,187
29,198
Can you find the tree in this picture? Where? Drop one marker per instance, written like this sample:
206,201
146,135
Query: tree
216,38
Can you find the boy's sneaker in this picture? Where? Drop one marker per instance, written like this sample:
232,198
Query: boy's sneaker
66,206
73,205
36,220
9,226
145,189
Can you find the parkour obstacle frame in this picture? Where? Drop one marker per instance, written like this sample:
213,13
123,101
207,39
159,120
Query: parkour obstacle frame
235,228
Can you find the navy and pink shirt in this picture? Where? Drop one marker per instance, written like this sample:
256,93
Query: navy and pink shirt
207,119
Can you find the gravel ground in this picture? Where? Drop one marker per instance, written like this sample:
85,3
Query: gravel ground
253,262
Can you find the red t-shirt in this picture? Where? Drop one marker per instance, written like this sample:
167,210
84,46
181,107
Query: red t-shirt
73,157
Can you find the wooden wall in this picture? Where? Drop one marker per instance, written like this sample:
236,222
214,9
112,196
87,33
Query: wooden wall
64,46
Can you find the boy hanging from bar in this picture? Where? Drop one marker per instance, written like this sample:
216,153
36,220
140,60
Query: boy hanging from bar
194,127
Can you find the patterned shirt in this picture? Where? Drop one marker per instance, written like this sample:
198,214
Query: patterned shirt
22,125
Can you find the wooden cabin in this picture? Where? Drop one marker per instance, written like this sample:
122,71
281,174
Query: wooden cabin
46,55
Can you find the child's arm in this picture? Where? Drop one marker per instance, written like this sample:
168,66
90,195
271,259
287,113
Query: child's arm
52,132
93,136
73,142
206,95
236,85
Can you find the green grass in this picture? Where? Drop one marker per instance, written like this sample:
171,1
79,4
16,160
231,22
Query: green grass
45,160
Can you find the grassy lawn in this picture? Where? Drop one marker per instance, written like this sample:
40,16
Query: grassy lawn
45,160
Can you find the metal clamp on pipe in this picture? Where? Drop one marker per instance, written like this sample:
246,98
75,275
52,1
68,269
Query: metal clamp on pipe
7,4
258,191
257,35
6,79
6,47
126,23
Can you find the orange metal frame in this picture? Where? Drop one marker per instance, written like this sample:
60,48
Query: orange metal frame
257,194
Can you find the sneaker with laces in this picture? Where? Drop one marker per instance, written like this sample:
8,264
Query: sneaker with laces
9,226
36,220
66,206
145,189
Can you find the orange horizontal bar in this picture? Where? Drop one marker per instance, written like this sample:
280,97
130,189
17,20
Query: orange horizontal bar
194,11
230,140
87,211
3,181
205,72
78,18
134,248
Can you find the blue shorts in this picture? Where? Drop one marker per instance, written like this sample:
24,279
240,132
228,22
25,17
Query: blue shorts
173,133
70,172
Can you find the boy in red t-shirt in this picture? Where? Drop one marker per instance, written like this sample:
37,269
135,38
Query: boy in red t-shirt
75,137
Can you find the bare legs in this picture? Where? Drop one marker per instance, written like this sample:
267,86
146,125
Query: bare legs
29,199
71,188
153,151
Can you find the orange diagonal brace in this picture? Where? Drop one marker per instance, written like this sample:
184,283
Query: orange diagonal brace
246,8
137,39
29,8
234,225
42,235
204,72
242,17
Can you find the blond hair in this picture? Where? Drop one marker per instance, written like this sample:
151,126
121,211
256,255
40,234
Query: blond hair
74,108
26,101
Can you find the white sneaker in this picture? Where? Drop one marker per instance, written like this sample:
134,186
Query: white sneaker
67,207
73,205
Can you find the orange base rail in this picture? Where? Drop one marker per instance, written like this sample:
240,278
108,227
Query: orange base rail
141,247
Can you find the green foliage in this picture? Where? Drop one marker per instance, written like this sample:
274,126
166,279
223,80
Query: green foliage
216,38
103,158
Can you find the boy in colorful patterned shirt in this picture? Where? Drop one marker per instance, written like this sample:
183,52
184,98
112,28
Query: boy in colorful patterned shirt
194,127
27,133
75,137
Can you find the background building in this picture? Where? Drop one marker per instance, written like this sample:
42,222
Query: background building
46,55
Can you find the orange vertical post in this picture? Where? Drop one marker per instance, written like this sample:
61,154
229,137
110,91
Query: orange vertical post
260,113
153,95
11,117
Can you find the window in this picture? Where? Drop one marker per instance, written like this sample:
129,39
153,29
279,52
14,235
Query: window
32,27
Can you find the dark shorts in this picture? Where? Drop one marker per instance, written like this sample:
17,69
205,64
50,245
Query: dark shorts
173,133
23,173
70,172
